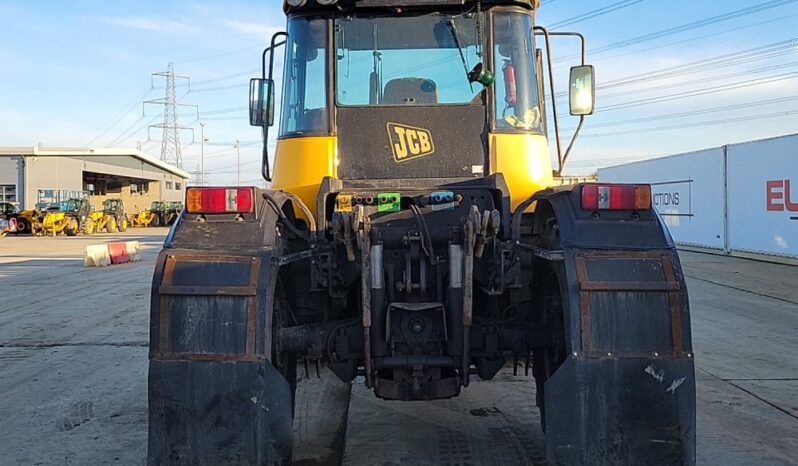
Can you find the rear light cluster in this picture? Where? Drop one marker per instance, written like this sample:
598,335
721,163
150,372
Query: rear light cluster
219,200
616,197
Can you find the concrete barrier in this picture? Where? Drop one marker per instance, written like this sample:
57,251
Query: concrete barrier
101,255
97,256
133,251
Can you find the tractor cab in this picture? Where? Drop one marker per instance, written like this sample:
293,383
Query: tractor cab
113,206
76,207
388,89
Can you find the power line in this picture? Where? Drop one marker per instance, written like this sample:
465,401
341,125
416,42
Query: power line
772,50
685,27
692,125
725,108
595,13
222,54
132,129
128,108
221,88
700,81
697,92
229,76
734,58
694,38
612,160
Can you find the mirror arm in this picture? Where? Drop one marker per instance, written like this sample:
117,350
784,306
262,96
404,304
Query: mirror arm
267,50
265,169
545,32
573,140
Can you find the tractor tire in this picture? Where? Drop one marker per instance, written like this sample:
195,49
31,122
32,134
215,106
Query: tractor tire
22,225
72,228
549,311
123,224
111,226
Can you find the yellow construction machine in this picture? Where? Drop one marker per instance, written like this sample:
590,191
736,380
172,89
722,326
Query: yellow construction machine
160,213
72,217
416,237
144,218
27,221
112,217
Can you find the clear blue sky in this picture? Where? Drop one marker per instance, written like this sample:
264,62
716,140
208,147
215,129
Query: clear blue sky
74,73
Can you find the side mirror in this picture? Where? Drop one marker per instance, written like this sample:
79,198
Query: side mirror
261,96
582,90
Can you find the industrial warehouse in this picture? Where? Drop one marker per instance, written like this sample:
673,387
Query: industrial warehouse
34,177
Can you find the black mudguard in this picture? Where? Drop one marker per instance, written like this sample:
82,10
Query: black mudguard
214,395
212,413
626,394
621,411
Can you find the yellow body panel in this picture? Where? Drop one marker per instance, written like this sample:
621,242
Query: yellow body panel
54,222
301,163
524,161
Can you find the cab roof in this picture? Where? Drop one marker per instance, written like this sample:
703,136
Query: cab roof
432,5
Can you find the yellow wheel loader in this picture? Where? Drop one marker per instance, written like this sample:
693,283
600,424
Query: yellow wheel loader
112,218
416,237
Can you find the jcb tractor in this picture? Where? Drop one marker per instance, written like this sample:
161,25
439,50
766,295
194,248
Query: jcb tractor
112,218
73,218
27,221
150,217
160,213
414,235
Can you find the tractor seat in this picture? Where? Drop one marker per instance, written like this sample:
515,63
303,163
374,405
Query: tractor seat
410,91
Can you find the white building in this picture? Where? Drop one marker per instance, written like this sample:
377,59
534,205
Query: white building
738,199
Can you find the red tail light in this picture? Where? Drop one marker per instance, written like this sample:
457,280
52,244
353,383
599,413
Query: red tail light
219,200
616,197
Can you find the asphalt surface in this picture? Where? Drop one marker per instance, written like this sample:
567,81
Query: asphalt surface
73,366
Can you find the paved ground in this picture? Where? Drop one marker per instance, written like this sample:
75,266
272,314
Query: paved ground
73,364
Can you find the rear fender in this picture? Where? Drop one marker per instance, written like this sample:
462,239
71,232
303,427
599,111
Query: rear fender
626,393
214,395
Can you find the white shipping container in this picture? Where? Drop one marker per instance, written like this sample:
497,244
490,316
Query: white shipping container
687,191
763,196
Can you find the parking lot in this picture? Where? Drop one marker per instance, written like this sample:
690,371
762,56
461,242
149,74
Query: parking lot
73,366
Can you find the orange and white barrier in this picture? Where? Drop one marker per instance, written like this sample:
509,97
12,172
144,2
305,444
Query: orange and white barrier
101,255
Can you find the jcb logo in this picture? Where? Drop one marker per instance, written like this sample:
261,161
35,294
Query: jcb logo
408,143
